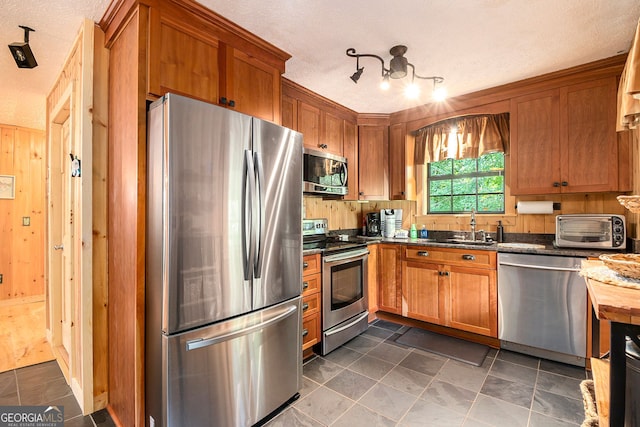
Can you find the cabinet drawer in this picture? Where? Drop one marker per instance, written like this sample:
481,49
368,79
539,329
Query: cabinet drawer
310,331
311,283
311,264
463,257
311,304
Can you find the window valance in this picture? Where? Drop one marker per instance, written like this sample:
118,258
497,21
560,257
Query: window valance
462,138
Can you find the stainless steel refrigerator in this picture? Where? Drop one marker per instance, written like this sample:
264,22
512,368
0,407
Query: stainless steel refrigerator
223,265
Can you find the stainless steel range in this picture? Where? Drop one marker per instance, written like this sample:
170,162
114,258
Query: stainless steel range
344,283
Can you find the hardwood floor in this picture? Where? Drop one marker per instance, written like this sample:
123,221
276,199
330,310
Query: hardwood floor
22,333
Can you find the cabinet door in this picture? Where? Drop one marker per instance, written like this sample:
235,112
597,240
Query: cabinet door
589,152
373,147
397,161
254,87
372,280
289,112
389,279
182,61
422,292
350,151
309,124
332,133
535,144
472,300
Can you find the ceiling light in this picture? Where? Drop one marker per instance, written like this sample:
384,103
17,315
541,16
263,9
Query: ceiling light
398,69
22,53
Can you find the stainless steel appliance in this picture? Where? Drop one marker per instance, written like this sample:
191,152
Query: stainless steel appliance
344,283
224,255
542,306
372,224
591,231
324,173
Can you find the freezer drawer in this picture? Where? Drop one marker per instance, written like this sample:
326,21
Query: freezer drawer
233,373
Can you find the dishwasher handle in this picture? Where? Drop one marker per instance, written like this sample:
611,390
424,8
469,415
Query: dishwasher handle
538,267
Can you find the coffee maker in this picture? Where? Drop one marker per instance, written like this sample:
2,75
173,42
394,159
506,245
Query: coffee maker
372,222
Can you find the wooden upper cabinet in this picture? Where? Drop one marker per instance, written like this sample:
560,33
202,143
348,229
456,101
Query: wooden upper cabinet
397,160
564,140
191,56
181,62
254,87
289,112
373,148
589,152
309,124
350,151
331,133
535,149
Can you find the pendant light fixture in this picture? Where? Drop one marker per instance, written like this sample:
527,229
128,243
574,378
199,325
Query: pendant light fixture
22,53
398,69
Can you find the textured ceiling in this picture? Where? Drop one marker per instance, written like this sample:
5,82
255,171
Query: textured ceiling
473,44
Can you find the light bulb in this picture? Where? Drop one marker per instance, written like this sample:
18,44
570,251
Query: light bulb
384,85
439,94
412,91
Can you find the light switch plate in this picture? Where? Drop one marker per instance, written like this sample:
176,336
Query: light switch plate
26,221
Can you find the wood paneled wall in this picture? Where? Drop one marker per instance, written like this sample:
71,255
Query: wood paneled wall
22,154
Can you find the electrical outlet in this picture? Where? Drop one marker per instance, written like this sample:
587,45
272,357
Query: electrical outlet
26,221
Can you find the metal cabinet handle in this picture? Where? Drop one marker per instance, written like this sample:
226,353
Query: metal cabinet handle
468,257
58,247
305,264
305,285
305,306
556,184
422,253
564,183
232,103
443,273
305,332
323,146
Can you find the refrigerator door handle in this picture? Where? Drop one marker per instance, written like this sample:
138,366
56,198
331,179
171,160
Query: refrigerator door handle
248,247
261,202
217,339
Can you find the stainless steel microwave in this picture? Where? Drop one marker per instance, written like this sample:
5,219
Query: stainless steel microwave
324,173
597,231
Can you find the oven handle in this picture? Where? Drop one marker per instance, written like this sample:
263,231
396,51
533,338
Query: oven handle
342,328
346,255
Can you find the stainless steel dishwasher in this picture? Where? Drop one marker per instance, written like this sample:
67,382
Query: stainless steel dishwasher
542,306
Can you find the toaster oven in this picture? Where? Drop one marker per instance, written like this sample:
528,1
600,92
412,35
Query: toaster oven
591,231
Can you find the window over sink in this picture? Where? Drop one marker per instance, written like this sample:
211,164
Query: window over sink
460,185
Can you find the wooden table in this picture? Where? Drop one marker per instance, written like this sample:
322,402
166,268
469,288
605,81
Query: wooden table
621,306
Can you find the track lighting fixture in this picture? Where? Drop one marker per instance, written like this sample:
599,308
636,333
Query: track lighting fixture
398,69
22,53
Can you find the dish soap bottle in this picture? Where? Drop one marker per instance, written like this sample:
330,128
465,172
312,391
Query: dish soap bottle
423,232
499,232
413,232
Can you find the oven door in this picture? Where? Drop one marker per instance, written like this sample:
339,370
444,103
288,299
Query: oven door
344,286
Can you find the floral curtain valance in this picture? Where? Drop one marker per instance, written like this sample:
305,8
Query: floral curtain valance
463,138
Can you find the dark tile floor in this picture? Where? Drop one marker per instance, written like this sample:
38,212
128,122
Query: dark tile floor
373,381
44,384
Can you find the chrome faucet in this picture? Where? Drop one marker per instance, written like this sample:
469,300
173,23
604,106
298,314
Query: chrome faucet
473,224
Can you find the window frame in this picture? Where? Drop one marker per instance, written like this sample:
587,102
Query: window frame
476,174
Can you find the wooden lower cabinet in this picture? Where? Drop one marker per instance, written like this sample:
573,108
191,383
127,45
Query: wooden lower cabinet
311,301
440,289
389,278
372,281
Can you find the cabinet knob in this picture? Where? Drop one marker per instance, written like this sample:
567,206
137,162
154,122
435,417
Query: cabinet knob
305,264
305,306
565,183
232,103
305,332
468,257
556,184
305,285
445,273
223,100
323,146
361,193
423,253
